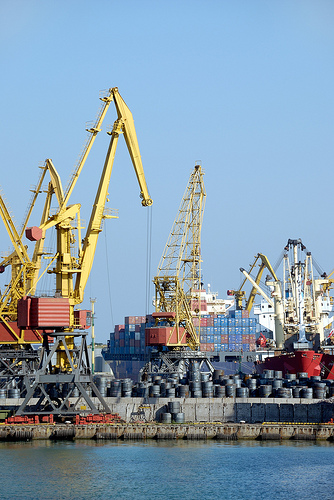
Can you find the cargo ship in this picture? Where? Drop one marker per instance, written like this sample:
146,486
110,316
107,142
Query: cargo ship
300,319
227,335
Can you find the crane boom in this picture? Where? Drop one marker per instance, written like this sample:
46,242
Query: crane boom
124,124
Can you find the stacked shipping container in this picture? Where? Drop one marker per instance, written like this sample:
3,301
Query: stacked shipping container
236,332
130,337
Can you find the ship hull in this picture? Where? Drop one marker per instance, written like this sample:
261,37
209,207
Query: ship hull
310,362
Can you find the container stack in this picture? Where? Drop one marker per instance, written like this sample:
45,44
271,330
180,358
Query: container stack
236,332
129,338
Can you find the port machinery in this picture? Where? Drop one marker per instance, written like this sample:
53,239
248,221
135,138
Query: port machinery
299,302
55,321
178,283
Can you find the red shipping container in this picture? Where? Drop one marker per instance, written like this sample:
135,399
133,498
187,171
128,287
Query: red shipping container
224,338
204,322
121,343
196,321
209,321
50,312
210,347
44,312
164,335
119,327
245,314
203,347
130,320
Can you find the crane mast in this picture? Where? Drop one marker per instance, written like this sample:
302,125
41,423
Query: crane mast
178,280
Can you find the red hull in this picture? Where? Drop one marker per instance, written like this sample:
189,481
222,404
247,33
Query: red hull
311,362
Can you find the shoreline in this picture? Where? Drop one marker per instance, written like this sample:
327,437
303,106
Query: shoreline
268,431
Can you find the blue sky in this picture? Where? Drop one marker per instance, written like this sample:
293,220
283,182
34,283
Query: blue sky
246,87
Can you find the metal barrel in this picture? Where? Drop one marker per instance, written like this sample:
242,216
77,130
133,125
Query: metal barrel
195,376
219,391
127,388
178,418
296,391
182,391
283,392
196,393
170,393
116,388
157,379
242,392
166,418
195,385
266,390
154,391
278,374
3,393
302,375
291,376
13,393
174,406
315,378
230,390
205,377
208,393
216,375
277,382
268,374
228,381
251,383
319,393
142,390
306,392
320,385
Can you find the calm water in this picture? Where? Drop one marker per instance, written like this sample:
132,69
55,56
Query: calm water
242,470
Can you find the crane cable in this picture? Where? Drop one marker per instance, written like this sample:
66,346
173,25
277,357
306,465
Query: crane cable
148,258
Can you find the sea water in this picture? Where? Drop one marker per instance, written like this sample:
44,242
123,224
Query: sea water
166,470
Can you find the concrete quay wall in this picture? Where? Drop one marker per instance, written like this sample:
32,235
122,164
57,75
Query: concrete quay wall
225,410
191,432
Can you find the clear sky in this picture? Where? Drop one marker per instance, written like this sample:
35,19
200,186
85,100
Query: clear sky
244,86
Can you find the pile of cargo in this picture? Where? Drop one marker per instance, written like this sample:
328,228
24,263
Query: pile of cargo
197,384
29,419
236,332
100,418
129,338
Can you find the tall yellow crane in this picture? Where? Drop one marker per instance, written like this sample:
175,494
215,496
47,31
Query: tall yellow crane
179,272
72,272
178,284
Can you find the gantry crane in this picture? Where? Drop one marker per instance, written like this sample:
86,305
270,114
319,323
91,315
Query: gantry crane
178,284
72,271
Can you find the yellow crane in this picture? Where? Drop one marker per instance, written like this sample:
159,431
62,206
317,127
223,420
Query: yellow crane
72,272
178,286
240,295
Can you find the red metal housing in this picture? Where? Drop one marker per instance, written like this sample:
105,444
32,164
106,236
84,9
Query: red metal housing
164,335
